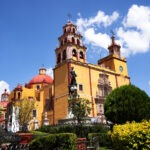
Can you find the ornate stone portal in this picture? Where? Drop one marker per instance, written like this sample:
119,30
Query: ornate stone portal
104,88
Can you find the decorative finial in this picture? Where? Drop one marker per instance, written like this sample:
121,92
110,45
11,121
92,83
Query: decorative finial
42,65
112,32
69,16
113,36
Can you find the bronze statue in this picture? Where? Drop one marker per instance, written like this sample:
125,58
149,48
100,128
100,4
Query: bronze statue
73,84
73,77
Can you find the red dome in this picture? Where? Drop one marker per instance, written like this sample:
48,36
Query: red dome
41,78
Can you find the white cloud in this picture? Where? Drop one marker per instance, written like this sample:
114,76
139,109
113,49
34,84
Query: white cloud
138,17
3,85
96,39
100,19
88,28
133,33
49,71
79,14
149,82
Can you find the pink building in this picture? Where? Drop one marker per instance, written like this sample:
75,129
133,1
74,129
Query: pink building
3,107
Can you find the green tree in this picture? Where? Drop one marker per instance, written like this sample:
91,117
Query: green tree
1,113
26,107
127,103
80,109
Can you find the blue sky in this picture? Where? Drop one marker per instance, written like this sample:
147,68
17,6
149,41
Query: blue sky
29,31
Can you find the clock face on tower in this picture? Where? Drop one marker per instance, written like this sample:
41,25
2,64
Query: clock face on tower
121,68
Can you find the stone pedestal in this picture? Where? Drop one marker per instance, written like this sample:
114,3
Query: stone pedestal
25,137
46,120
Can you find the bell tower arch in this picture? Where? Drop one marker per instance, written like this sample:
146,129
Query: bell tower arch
70,45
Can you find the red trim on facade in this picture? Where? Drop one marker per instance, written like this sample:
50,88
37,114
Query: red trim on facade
69,68
69,78
91,93
77,56
116,81
54,100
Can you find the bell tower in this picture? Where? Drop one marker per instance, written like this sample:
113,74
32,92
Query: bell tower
18,92
114,49
5,96
70,45
70,51
114,61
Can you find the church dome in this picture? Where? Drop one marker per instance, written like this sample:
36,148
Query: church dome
42,77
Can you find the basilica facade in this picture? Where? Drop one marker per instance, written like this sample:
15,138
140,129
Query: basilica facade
94,81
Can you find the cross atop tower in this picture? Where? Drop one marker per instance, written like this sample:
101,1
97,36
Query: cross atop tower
42,65
112,32
69,16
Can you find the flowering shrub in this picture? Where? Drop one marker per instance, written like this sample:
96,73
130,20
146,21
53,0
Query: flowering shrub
131,136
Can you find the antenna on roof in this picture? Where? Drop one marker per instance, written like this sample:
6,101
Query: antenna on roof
69,16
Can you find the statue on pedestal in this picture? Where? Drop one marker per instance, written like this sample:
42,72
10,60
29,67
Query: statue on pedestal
73,83
73,77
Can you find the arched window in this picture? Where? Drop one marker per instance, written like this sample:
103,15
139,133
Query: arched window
65,31
78,41
19,95
73,40
105,91
61,43
58,58
64,54
34,113
74,53
100,107
81,55
69,30
37,87
73,30
65,41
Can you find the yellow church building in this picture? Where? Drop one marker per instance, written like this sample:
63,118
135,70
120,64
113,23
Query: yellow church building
94,81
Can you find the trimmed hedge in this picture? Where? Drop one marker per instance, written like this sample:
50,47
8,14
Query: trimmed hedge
135,136
38,132
62,141
80,131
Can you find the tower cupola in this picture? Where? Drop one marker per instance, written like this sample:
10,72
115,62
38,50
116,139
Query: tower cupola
114,49
70,45
42,71
5,96
18,92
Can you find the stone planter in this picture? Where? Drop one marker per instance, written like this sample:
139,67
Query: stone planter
81,144
25,137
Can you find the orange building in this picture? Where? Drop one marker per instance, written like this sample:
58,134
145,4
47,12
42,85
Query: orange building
94,81
39,88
